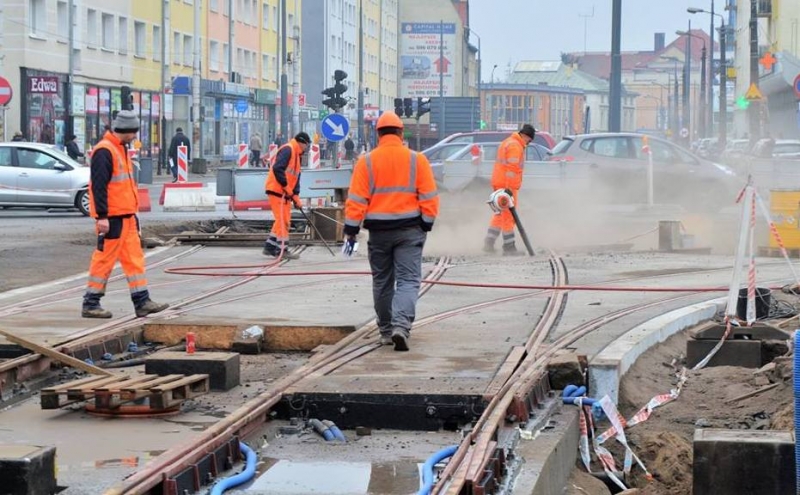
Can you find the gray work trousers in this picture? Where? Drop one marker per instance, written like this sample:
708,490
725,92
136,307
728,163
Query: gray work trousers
395,257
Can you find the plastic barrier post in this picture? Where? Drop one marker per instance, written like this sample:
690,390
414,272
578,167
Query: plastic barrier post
183,164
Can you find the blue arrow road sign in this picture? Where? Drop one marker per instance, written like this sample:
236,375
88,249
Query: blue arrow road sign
241,106
335,127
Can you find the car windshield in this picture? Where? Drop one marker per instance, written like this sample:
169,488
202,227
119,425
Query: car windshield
563,146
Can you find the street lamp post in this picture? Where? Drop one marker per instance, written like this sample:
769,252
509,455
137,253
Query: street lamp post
702,82
491,107
675,113
480,99
723,75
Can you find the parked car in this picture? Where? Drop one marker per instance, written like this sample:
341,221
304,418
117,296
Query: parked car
542,138
786,148
35,175
618,162
457,170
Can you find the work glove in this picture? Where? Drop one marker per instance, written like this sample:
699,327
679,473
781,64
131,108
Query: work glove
350,246
297,203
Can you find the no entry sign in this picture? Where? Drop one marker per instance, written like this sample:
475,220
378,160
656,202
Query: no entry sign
5,92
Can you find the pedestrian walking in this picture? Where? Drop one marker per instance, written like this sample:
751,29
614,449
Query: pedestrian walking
507,175
283,190
73,150
255,149
179,139
114,204
393,192
349,149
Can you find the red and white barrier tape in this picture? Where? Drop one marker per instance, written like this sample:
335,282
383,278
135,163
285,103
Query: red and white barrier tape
774,230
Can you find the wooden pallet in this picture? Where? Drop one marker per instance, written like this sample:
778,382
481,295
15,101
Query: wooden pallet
774,252
111,392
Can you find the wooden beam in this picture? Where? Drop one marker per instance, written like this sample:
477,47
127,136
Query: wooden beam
54,354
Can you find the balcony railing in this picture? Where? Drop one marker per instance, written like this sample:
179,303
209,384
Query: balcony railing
764,8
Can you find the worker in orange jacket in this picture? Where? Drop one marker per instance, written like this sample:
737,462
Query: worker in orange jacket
283,190
114,203
508,170
394,194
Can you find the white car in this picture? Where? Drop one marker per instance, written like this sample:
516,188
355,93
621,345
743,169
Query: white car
35,175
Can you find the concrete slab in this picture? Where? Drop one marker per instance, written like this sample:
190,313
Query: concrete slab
732,462
27,470
221,367
743,353
608,367
189,199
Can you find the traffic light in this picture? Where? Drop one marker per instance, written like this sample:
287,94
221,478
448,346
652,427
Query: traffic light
127,98
408,107
423,106
335,100
742,103
483,125
398,107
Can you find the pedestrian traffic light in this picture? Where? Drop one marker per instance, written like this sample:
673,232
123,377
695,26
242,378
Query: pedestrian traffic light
126,98
408,107
483,125
423,106
335,100
742,103
398,107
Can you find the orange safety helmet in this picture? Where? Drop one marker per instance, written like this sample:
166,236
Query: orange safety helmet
389,119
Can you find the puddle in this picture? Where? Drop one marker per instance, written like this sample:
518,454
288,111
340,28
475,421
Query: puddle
283,477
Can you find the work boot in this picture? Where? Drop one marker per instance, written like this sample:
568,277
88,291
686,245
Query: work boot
95,312
488,246
287,255
150,307
512,251
400,339
386,340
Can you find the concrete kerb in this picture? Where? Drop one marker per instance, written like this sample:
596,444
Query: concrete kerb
190,199
610,365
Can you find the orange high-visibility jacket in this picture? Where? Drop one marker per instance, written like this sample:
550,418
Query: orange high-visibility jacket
391,187
283,178
122,192
510,164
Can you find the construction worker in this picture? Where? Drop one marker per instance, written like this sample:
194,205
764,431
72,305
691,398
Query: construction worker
394,193
283,189
507,175
114,203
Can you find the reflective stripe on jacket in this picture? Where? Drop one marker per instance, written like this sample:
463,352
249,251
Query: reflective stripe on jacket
123,194
510,164
391,187
283,178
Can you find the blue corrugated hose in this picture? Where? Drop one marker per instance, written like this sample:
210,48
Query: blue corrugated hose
427,469
574,394
238,479
796,378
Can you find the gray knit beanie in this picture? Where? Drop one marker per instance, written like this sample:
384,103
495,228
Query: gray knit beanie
125,122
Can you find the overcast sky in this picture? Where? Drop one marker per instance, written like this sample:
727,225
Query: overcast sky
514,30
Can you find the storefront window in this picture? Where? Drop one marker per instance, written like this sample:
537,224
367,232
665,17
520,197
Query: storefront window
44,118
105,110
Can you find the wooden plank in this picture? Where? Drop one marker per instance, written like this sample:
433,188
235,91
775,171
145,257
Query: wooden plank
505,371
126,383
54,354
175,393
185,381
84,389
98,380
161,380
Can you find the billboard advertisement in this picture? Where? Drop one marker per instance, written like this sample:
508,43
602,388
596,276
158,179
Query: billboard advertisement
421,62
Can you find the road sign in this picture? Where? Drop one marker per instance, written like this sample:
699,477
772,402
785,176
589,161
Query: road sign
241,106
684,132
335,127
753,93
796,86
5,92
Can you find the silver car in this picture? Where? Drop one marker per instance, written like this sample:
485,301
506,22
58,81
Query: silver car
34,175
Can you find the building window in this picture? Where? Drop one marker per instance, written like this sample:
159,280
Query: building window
225,57
139,38
38,17
214,5
157,43
274,18
123,35
176,48
265,67
63,21
265,16
213,55
187,50
108,31
225,8
254,17
91,28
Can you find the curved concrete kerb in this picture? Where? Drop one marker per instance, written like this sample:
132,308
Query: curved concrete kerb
608,367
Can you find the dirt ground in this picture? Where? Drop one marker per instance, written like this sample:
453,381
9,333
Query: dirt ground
709,399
